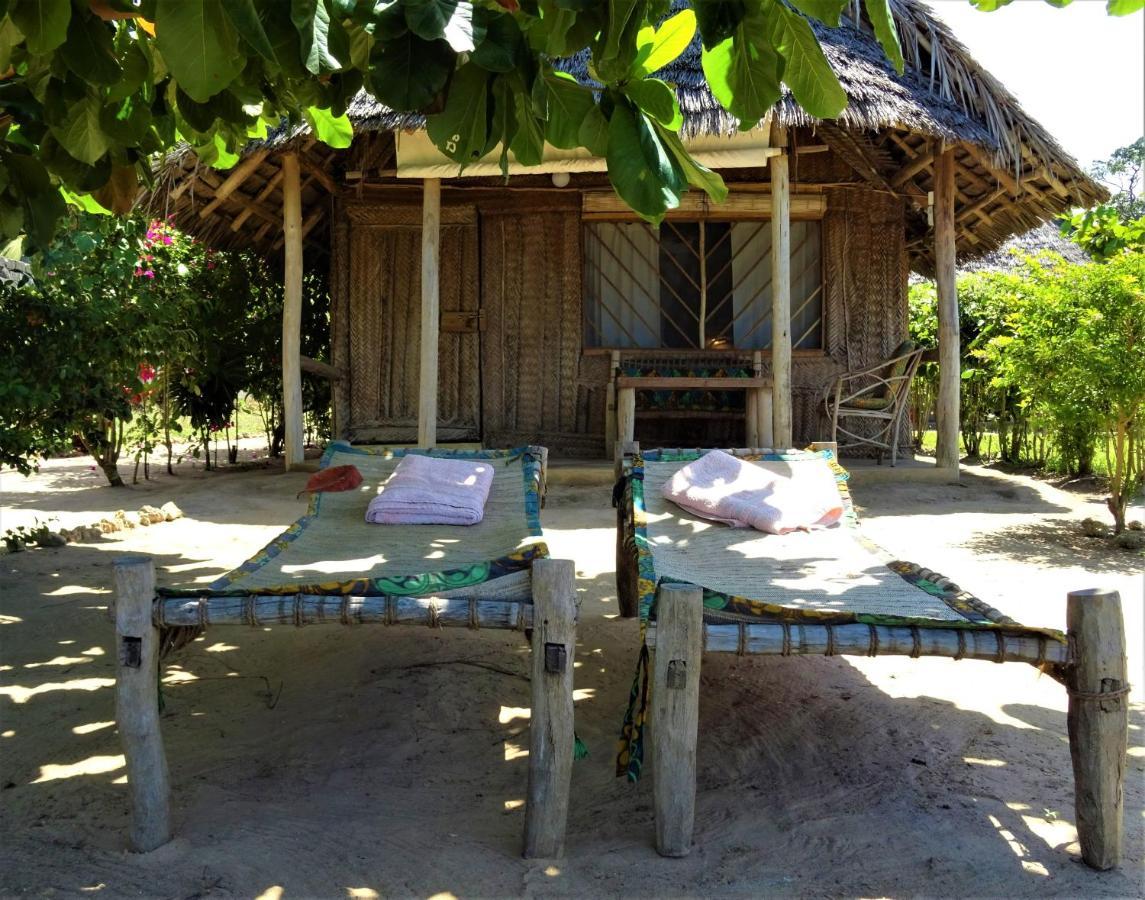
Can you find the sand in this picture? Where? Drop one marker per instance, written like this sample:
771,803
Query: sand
340,762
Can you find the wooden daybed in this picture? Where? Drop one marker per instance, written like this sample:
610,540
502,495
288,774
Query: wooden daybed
332,567
703,587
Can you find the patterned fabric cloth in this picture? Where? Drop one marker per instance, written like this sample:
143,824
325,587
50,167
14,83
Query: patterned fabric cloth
690,400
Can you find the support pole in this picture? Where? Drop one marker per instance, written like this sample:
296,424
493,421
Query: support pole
551,735
137,702
780,292
1098,729
610,406
430,318
949,367
292,311
626,414
675,714
627,572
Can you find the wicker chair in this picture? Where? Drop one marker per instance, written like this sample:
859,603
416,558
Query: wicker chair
879,393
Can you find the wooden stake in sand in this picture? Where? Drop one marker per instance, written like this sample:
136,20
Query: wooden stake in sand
675,714
551,725
1098,721
137,702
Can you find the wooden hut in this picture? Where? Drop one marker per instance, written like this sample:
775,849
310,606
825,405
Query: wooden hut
474,308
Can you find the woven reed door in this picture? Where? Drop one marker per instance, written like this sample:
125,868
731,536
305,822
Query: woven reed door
385,328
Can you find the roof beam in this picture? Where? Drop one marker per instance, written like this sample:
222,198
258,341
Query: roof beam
912,168
233,181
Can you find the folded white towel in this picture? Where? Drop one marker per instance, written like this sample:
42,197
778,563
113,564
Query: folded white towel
724,488
425,490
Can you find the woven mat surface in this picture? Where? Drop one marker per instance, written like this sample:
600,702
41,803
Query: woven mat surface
831,569
335,543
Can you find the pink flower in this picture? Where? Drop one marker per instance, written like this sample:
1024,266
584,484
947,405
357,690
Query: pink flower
168,240
149,273
146,373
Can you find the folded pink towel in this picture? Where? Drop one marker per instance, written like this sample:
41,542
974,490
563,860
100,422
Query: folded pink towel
424,490
721,487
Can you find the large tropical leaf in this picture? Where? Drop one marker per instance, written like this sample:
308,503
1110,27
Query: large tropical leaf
656,47
451,20
568,106
461,130
199,45
879,12
744,72
407,73
826,11
88,50
333,131
43,22
711,183
807,72
325,44
244,16
642,170
657,99
81,133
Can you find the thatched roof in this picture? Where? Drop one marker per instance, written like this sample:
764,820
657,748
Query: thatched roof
1045,242
1011,174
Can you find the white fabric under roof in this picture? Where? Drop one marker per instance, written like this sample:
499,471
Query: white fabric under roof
419,158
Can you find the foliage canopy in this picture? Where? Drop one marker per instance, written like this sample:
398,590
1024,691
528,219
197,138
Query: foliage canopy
92,90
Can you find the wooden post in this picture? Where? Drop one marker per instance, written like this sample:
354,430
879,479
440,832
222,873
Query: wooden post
627,572
675,714
292,310
610,406
551,736
949,367
1098,729
765,418
430,324
780,292
137,702
625,414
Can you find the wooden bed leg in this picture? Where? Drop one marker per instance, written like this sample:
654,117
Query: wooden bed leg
137,702
1098,729
675,715
625,414
551,735
627,574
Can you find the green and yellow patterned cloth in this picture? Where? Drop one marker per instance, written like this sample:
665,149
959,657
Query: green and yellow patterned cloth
332,550
833,576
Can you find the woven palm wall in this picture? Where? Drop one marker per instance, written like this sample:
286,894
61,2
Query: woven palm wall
517,258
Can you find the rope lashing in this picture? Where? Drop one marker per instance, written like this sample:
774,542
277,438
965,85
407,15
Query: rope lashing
1000,656
830,640
1098,696
873,646
915,642
961,654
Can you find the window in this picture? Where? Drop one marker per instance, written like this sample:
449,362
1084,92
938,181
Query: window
696,285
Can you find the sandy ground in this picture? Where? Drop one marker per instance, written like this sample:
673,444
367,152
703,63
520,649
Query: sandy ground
336,762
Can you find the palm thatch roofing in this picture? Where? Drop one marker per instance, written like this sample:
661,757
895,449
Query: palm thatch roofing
1046,242
1011,175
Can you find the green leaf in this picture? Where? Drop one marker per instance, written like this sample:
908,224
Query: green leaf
1123,7
333,131
85,202
324,40
199,45
569,105
245,18
136,69
826,11
642,171
807,73
88,51
657,99
744,73
666,43
407,73
224,158
528,144
502,47
711,183
989,5
461,130
718,19
619,14
10,36
448,19
41,201
81,134
43,22
593,133
879,12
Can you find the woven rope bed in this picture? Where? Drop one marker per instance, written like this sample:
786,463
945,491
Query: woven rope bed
699,586
333,567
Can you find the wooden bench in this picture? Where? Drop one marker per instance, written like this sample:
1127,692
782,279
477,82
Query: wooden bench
621,422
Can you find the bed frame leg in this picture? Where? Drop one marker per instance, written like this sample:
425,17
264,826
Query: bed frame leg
137,702
676,714
551,735
1098,729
